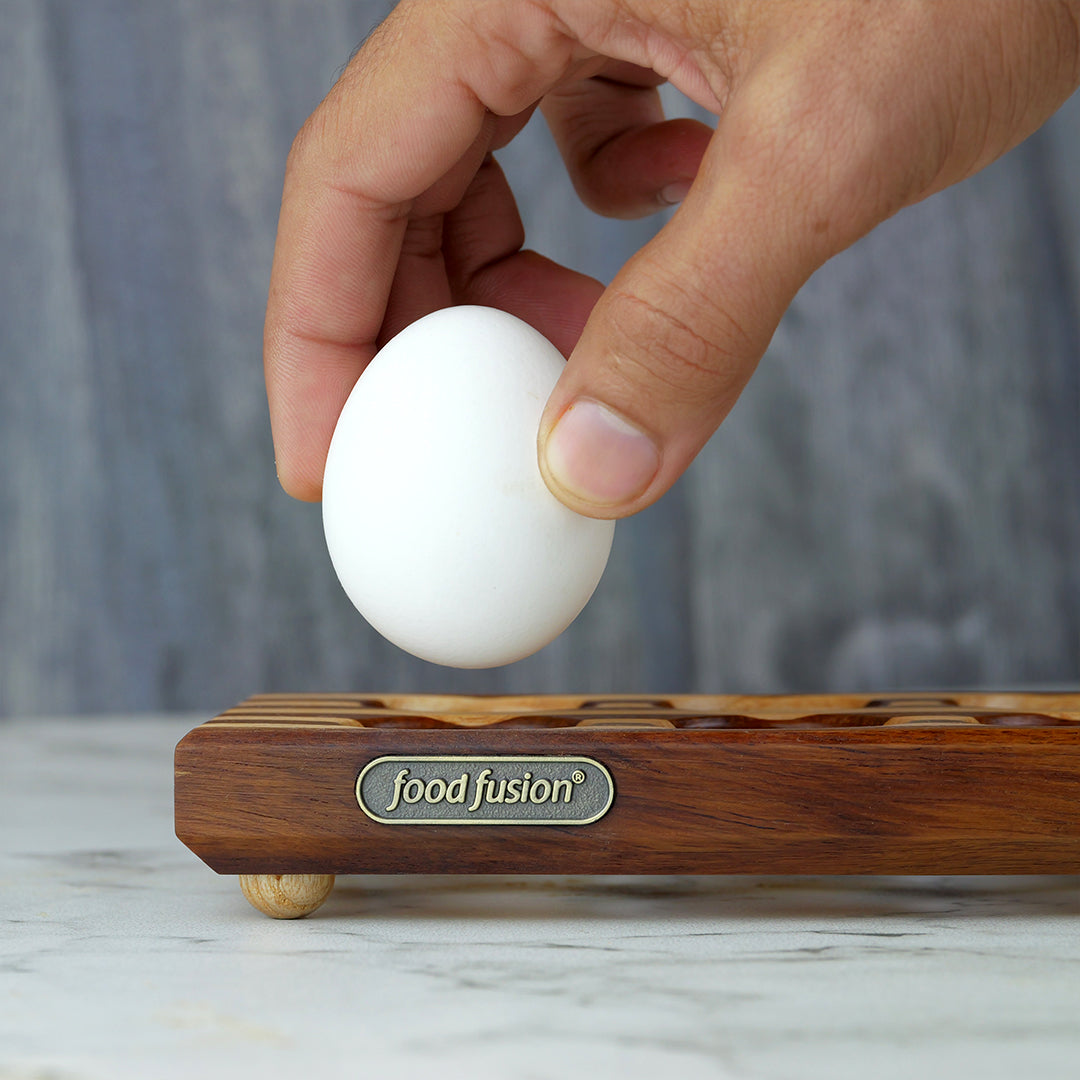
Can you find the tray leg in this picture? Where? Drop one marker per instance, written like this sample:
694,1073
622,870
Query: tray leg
286,896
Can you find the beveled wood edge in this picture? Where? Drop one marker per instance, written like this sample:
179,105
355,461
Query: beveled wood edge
478,711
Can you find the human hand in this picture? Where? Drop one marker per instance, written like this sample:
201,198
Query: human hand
832,116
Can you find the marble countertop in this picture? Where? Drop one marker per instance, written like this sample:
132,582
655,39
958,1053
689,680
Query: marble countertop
122,955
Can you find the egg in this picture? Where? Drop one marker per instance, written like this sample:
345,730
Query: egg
438,522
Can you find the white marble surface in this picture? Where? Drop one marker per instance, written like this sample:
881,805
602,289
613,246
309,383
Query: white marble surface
122,955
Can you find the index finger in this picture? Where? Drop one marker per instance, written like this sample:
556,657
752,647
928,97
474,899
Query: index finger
403,125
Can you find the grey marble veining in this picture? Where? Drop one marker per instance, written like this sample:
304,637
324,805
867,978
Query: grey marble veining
122,956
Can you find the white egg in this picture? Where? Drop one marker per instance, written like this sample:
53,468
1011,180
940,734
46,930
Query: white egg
439,524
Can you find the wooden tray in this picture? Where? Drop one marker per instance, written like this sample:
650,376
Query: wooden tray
289,790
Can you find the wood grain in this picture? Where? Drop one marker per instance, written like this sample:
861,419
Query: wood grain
774,786
286,896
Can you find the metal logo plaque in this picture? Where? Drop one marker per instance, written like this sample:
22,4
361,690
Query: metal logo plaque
499,790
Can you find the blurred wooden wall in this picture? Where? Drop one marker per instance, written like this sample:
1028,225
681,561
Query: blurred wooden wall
895,501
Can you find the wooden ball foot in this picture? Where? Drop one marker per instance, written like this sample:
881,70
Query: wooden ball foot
286,896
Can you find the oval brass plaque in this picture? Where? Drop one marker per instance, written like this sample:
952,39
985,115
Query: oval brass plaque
498,790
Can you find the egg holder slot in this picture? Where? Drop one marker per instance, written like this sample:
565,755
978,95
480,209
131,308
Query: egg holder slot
288,791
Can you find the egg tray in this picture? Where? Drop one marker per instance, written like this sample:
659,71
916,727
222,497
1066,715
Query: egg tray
289,790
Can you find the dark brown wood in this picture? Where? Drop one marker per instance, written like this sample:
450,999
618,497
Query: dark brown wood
897,784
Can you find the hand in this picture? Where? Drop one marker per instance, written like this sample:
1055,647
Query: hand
832,116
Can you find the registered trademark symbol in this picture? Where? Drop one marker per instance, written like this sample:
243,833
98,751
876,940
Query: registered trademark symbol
578,777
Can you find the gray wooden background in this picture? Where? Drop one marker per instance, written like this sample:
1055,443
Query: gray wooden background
894,503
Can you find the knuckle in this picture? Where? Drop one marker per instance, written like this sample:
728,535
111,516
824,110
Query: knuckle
300,147
423,237
518,49
312,147
688,362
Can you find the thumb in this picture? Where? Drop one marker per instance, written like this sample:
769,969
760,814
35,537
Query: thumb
675,338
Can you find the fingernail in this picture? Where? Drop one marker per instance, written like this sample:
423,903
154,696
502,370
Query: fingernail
596,455
675,193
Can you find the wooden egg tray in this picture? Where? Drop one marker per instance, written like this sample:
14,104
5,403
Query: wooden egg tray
289,790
